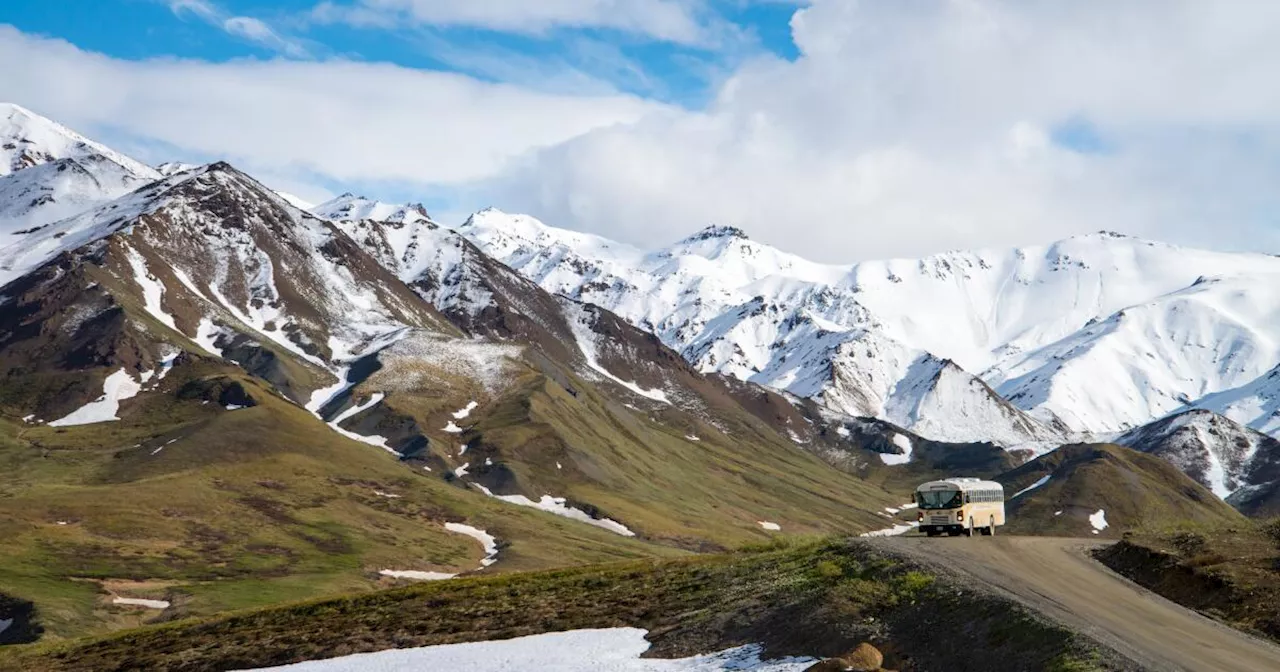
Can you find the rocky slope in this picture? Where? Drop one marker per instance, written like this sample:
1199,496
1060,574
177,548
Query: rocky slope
1238,464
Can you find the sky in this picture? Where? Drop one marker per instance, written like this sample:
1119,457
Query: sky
840,130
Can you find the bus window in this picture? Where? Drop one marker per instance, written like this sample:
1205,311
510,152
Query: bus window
939,499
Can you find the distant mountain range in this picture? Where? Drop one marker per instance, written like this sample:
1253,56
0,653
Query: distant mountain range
1097,337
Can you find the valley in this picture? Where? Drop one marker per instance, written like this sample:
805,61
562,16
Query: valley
238,429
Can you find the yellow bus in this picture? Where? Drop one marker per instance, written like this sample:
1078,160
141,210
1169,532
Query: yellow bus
957,506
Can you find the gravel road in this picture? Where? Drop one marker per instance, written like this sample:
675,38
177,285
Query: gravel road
1058,578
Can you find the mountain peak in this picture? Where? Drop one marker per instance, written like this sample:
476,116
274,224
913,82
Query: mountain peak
174,167
28,139
350,207
716,231
12,110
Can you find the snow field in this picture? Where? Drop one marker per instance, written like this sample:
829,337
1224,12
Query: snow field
604,650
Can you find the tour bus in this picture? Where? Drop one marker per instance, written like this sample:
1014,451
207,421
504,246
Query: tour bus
958,506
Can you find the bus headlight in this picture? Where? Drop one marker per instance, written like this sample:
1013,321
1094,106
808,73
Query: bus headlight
919,516
959,515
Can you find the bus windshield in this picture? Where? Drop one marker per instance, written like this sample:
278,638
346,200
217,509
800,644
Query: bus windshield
939,499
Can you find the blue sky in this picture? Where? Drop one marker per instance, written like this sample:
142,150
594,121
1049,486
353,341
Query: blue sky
566,57
837,129
569,56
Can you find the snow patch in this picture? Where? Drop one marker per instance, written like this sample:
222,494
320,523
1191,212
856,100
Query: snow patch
116,388
135,602
894,531
465,411
166,365
462,471
586,339
152,290
1033,486
163,446
557,506
903,442
769,526
487,540
206,335
415,575
1098,521
452,428
372,440
602,650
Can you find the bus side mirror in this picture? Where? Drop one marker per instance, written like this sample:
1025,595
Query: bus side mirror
966,498
913,498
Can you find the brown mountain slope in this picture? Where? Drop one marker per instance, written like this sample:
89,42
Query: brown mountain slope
1129,488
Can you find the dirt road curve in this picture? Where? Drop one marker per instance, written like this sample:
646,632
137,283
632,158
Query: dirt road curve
1058,578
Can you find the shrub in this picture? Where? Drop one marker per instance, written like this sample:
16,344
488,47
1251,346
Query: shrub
1189,543
1272,529
911,583
828,569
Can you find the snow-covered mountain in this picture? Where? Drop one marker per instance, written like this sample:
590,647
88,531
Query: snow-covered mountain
49,172
1028,347
1095,334
211,262
350,207
1220,454
28,139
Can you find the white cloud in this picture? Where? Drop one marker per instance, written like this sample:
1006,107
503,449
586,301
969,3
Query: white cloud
345,121
903,128
246,27
909,127
680,21
255,30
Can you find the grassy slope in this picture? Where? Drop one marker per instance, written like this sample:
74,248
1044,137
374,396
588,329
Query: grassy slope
645,472
1231,573
263,505
1134,489
817,598
639,466
247,508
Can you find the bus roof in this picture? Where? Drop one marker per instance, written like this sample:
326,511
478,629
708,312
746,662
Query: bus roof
963,484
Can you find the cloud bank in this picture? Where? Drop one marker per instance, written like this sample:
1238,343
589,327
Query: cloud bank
904,127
